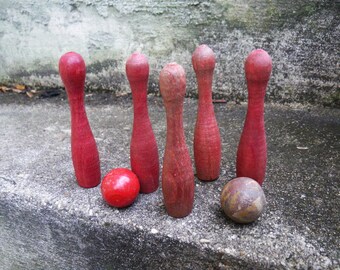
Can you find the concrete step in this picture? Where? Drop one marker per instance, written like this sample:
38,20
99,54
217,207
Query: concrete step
48,222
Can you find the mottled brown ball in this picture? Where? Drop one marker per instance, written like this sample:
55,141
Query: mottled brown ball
243,200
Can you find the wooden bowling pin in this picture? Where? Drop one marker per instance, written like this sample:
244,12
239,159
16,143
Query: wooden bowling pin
143,148
207,140
177,175
83,146
252,150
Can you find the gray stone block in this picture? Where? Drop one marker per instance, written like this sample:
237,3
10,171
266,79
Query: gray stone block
48,222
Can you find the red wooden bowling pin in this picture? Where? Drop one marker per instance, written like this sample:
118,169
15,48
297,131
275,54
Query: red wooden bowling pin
177,174
207,140
143,149
252,150
83,146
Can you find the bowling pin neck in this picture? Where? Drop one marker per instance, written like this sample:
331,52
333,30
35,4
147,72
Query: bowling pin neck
173,109
139,97
205,88
255,106
256,89
77,106
79,122
255,110
174,121
173,92
75,95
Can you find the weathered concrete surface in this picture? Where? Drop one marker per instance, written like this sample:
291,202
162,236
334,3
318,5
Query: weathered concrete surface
301,36
48,222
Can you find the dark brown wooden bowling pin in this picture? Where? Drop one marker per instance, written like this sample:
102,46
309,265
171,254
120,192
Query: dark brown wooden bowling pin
252,150
207,139
177,175
143,148
83,146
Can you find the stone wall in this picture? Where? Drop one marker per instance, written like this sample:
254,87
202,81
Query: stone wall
302,36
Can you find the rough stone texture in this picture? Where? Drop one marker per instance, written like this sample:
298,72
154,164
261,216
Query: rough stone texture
301,36
48,222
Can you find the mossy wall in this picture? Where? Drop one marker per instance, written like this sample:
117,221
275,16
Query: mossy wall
301,36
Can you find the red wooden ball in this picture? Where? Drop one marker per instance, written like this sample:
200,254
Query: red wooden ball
120,187
243,200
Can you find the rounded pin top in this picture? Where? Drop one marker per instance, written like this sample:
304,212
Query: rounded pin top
203,58
137,67
172,82
258,66
72,71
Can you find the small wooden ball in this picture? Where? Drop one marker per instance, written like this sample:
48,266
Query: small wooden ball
243,200
120,187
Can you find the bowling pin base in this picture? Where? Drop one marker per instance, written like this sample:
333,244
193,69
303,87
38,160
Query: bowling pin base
88,186
175,214
205,179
